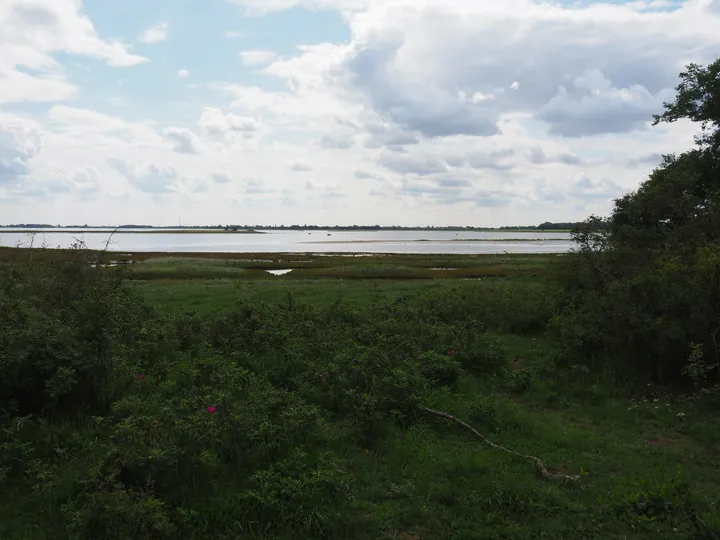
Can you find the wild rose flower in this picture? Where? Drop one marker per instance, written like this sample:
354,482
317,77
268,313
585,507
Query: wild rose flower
211,409
452,353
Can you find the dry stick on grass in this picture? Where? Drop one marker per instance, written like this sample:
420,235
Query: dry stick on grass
540,469
707,527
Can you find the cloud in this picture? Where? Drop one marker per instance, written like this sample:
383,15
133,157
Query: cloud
257,58
234,34
365,175
34,29
216,122
420,164
489,160
603,108
183,73
388,136
183,140
220,178
338,142
83,180
154,34
603,188
453,183
253,186
31,32
300,166
20,143
538,157
148,178
93,125
452,68
652,159
433,112
442,108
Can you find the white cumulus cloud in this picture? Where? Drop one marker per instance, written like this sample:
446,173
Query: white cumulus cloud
154,34
257,58
183,140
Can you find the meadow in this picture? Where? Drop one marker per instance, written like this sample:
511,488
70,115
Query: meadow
199,396
227,396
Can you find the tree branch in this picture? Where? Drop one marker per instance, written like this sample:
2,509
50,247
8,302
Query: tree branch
540,469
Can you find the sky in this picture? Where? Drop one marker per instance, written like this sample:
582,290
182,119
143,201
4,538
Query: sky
337,112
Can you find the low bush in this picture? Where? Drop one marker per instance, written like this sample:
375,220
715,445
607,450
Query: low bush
129,425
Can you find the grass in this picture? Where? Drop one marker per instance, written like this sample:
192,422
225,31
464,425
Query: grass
184,266
213,295
425,478
436,481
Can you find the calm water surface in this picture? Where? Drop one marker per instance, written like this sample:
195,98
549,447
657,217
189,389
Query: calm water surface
307,241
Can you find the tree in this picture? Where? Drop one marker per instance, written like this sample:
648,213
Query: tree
643,288
698,99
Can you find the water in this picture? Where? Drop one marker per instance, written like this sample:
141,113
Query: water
306,241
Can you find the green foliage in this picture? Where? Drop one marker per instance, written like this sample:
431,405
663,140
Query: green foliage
68,338
290,420
655,498
219,425
643,287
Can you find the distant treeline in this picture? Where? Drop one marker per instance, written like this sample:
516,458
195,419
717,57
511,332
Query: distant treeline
548,226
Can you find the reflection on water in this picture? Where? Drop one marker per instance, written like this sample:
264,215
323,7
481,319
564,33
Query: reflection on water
297,242
278,272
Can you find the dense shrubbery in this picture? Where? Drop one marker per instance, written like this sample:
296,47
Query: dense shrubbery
118,423
68,339
642,293
189,427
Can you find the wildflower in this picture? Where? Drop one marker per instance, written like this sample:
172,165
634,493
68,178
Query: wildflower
212,409
452,353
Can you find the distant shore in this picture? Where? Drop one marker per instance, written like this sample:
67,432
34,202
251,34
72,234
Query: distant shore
448,240
130,231
263,229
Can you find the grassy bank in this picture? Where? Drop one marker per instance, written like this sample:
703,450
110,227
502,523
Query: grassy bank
237,404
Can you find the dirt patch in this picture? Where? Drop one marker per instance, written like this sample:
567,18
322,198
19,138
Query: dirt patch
516,364
659,440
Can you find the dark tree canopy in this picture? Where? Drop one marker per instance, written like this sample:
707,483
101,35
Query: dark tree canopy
643,290
698,99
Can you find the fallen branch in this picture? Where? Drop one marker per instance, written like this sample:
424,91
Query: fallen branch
707,527
540,469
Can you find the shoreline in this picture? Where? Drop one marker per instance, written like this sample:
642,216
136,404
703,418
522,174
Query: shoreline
129,231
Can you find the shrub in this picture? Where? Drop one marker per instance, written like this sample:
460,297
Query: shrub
643,287
139,426
68,338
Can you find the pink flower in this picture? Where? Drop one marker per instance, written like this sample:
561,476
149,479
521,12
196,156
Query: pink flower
452,353
212,409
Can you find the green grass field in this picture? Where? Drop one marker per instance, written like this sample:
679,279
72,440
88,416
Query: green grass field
645,460
436,480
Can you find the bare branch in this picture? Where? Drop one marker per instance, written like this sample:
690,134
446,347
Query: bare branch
707,527
540,469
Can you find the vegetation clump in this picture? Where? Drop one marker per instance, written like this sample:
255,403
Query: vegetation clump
292,419
642,292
